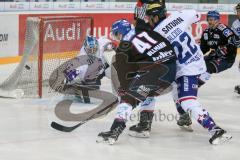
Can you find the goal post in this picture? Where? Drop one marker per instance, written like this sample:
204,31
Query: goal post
49,42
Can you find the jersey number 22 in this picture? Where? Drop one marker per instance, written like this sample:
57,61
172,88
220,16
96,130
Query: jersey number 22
192,49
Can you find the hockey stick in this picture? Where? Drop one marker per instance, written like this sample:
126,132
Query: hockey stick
62,128
16,93
108,104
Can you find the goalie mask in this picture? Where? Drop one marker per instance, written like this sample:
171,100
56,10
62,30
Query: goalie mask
91,45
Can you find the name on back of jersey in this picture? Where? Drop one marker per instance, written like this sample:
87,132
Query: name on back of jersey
172,24
174,34
153,46
156,48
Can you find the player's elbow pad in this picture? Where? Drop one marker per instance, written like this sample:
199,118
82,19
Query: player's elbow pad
236,41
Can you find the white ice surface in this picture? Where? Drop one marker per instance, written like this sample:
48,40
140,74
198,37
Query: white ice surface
26,134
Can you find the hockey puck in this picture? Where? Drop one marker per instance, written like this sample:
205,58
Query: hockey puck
27,67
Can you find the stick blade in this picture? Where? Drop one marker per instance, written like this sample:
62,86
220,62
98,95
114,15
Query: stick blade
62,128
17,93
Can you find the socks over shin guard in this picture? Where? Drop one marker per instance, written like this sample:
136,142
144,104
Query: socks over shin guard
198,113
206,121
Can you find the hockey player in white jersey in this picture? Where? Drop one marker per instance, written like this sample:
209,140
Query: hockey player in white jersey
236,29
218,44
236,25
190,64
92,47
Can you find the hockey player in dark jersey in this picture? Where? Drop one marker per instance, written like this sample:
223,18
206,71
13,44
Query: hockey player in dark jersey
146,66
218,39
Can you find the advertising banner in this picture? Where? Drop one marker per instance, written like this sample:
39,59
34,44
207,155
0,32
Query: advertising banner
16,6
102,26
66,5
62,35
40,6
9,35
121,6
90,5
181,6
103,22
1,7
94,6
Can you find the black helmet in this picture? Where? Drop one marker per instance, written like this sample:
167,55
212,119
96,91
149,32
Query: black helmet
238,7
153,1
156,9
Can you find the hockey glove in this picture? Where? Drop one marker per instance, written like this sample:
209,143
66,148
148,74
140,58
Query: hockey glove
71,75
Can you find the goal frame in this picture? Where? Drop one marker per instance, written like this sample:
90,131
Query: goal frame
41,37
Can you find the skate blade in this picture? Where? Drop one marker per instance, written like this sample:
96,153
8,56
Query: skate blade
186,128
223,139
144,134
236,91
109,141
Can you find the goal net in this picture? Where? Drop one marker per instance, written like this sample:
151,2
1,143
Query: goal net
49,42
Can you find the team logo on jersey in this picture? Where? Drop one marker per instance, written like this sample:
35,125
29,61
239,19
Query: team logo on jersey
227,32
216,36
212,43
221,27
205,36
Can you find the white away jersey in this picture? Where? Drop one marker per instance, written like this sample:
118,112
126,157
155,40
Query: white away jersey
236,27
176,29
103,43
236,30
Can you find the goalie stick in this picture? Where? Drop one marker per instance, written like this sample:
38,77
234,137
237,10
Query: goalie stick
62,128
109,103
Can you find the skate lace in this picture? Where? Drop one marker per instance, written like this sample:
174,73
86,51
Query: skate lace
214,130
117,131
185,116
